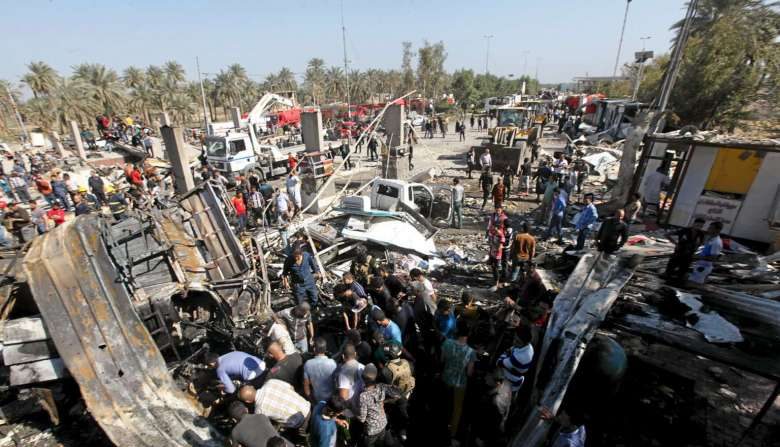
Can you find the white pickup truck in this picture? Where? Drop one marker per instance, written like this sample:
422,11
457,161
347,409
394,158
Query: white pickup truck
429,203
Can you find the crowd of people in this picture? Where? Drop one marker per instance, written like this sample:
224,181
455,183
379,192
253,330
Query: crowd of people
37,196
402,351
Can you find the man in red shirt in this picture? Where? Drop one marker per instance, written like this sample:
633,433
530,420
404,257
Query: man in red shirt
56,214
240,207
136,179
44,187
292,162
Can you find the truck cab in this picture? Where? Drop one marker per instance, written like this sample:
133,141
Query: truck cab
238,153
433,203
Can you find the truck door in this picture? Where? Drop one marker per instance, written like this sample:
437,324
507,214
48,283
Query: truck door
422,196
385,196
441,210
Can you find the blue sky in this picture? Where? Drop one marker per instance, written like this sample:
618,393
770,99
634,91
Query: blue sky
568,37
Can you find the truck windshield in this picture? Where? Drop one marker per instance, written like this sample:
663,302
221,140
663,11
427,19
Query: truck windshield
509,117
215,148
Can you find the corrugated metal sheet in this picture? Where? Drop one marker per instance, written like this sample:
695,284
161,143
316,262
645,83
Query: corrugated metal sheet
210,225
108,351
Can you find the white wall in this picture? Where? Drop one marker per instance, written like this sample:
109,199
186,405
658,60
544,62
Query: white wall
689,192
753,219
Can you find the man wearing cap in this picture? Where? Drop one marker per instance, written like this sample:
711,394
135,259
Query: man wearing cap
91,199
117,202
300,272
299,325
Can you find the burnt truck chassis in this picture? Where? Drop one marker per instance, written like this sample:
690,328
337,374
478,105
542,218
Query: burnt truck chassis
126,303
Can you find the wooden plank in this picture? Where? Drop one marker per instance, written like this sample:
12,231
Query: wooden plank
29,352
20,330
691,341
40,371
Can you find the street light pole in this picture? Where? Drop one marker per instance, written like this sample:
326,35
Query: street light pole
620,42
639,71
487,52
202,96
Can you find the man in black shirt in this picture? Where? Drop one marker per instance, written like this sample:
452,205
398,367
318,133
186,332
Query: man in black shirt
378,292
613,233
252,430
288,368
486,182
688,240
392,283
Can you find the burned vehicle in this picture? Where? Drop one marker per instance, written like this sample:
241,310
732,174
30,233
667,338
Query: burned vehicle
119,306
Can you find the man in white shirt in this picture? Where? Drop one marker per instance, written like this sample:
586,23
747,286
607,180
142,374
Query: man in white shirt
294,190
485,161
653,184
457,203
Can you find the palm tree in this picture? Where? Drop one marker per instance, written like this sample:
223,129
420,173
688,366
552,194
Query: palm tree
41,79
133,77
74,99
107,89
238,78
286,79
182,107
6,109
174,71
70,99
155,76
315,79
334,84
709,11
141,100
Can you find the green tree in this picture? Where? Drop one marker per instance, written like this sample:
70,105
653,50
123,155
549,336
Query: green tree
174,71
730,64
407,72
464,88
107,89
431,76
314,79
41,79
133,77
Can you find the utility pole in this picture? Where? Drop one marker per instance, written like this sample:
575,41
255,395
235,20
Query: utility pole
203,96
346,67
641,67
18,115
487,52
674,61
620,42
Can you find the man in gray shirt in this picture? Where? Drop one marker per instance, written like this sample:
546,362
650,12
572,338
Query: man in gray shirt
318,373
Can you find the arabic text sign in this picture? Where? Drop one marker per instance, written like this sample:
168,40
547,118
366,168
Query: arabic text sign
716,209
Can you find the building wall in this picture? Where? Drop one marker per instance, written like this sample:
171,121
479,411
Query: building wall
692,186
753,217
748,216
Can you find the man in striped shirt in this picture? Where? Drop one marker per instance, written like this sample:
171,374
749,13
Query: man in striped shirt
516,361
279,401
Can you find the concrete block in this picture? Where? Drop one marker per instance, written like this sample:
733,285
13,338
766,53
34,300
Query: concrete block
311,129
